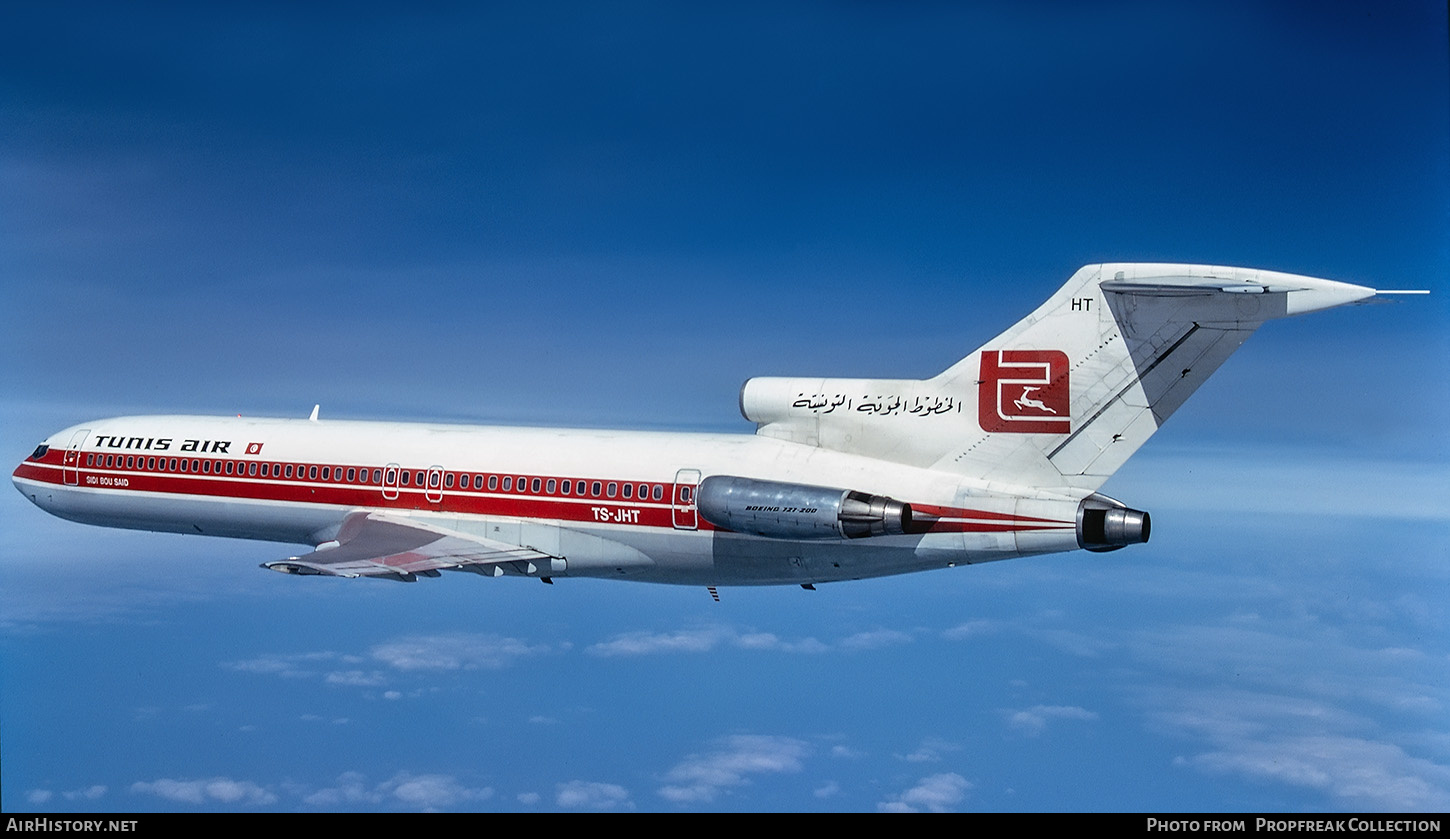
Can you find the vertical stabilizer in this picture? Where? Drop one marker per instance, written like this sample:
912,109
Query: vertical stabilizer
1067,394
1125,345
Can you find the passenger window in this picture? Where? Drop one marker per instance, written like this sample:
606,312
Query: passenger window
493,482
206,467
629,490
312,473
131,462
377,475
433,479
252,468
522,484
568,485
659,492
173,464
550,486
508,483
478,482
448,480
609,490
90,460
535,485
594,489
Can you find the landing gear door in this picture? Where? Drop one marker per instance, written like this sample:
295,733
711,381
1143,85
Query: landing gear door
70,464
682,500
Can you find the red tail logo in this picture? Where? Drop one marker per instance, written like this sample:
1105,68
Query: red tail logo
1024,391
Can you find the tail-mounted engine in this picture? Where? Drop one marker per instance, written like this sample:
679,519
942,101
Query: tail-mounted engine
1106,524
796,511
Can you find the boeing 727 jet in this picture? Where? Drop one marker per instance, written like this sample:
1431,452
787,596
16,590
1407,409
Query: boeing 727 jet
999,456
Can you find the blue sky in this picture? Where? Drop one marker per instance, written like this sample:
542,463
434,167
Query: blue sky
613,215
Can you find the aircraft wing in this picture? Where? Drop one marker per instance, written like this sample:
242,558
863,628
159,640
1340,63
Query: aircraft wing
376,544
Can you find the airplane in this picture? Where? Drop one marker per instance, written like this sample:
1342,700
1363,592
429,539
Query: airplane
999,456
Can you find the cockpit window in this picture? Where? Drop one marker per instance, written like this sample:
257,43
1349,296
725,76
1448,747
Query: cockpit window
39,452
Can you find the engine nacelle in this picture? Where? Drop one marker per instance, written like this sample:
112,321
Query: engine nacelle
797,511
1106,524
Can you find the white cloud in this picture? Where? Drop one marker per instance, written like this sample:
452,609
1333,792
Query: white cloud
38,796
455,651
770,641
422,792
355,678
937,793
930,751
1361,774
591,795
1308,709
1034,720
970,629
218,790
700,778
90,793
705,639
649,643
294,666
432,791
349,789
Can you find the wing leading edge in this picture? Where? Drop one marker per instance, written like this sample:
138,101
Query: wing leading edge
375,544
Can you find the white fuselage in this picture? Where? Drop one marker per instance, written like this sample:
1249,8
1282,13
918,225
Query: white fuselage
998,456
575,494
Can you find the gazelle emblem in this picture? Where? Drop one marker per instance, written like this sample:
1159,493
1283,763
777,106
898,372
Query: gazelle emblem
1024,401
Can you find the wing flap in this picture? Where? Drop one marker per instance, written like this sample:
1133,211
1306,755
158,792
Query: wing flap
394,547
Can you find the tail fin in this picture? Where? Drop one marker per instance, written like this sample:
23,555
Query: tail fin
1066,395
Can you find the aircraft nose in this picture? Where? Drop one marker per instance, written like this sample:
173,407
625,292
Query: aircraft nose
28,473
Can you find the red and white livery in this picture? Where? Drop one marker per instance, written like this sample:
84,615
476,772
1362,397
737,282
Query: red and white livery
999,456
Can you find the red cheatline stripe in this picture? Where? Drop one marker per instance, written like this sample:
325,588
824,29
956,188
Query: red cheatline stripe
572,507
594,509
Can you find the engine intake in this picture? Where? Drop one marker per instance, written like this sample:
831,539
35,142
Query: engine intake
797,511
1106,524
